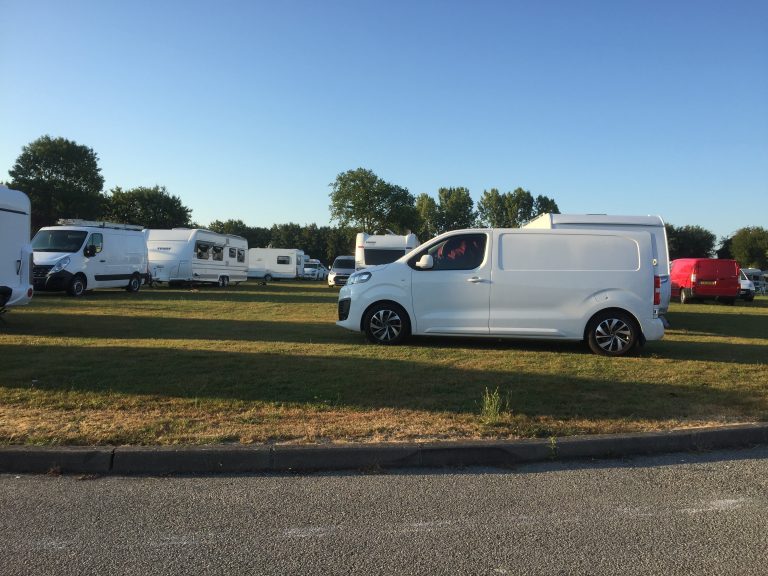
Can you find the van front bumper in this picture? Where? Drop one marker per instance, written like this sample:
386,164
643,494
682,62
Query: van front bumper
56,282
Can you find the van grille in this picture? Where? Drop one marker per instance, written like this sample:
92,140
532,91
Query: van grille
344,308
40,271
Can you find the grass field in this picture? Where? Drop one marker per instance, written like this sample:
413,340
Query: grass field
266,364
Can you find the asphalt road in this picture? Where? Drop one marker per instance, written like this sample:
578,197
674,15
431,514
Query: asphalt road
677,514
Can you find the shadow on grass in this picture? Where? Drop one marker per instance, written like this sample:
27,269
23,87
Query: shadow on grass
344,382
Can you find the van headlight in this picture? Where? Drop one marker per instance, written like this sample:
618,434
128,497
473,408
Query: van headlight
60,265
359,278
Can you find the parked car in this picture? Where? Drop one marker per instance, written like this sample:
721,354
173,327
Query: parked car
757,277
705,279
598,286
341,268
747,291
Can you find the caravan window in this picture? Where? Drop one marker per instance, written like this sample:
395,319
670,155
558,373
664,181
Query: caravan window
233,252
218,252
241,255
283,259
202,250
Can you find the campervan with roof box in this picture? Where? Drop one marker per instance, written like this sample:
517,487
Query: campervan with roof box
15,251
80,255
598,286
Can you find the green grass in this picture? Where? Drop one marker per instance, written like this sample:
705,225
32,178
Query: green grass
267,364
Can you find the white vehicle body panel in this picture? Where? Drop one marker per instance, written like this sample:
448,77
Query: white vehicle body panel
653,224
15,249
196,255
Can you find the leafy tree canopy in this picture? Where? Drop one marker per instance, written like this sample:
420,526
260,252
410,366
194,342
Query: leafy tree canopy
750,247
427,217
149,207
61,178
512,209
359,198
455,209
690,242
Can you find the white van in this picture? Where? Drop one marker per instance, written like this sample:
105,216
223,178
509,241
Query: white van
196,255
653,224
376,249
15,251
80,255
593,285
275,263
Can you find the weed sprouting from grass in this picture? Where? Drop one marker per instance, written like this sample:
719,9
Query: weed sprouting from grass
492,406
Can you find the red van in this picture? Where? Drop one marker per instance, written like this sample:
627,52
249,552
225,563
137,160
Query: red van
705,278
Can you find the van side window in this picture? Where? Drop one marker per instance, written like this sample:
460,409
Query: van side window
460,252
202,250
240,255
218,253
97,241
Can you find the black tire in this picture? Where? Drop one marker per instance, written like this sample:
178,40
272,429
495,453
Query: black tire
386,323
612,333
77,286
225,281
685,298
134,284
268,278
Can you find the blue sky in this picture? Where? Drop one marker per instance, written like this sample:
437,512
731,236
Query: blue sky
249,109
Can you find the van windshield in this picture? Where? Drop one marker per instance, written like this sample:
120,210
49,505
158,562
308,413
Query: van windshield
344,263
58,240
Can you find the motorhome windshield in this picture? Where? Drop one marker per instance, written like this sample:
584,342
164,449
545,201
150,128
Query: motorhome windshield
58,240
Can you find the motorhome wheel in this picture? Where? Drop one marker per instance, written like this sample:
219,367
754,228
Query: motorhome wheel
612,334
134,284
76,285
386,323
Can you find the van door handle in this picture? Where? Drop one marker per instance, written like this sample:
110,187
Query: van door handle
474,279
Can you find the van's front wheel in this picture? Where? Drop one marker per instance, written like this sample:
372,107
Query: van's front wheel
386,323
76,286
612,334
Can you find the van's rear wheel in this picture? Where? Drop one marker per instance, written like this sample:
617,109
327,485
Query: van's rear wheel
386,323
685,298
134,284
76,286
612,334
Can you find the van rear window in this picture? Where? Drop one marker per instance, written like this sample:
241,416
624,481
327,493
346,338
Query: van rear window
374,256
539,252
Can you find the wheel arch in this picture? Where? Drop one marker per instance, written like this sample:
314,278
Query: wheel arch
611,310
387,301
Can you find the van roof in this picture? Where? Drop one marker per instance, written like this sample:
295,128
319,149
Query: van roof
649,220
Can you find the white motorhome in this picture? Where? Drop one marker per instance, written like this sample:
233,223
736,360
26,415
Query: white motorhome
15,250
80,255
652,224
196,255
376,249
275,263
598,286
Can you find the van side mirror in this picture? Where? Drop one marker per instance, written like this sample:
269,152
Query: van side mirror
90,251
426,262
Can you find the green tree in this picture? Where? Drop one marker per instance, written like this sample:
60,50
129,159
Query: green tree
236,227
725,248
362,200
690,242
750,247
491,211
285,236
544,205
426,210
61,178
455,209
149,207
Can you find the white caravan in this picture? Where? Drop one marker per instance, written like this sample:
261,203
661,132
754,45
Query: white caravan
275,263
196,255
80,255
15,251
376,249
652,224
594,285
